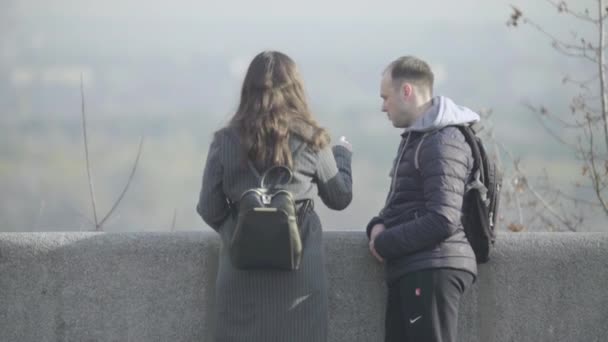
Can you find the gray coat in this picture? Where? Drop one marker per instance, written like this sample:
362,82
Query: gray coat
262,306
424,207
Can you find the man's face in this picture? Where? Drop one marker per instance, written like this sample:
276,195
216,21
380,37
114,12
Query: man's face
397,102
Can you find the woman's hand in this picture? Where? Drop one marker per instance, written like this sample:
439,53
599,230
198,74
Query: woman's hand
345,143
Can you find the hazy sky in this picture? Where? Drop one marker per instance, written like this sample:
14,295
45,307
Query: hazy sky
341,46
179,64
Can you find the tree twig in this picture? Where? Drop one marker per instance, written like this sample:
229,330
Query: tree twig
518,169
561,46
602,72
542,111
582,84
174,219
86,152
595,177
562,7
39,216
519,212
124,190
572,198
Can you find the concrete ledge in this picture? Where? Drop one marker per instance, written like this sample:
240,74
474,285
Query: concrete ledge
159,287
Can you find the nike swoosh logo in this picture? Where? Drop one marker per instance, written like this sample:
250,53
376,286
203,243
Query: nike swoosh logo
412,321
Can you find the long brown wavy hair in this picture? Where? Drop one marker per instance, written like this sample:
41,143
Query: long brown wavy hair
273,106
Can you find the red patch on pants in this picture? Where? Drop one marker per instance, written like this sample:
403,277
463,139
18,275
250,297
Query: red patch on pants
418,292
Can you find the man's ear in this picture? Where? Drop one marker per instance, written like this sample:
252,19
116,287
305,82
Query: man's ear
407,89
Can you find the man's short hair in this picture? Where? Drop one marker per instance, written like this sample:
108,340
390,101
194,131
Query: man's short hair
411,69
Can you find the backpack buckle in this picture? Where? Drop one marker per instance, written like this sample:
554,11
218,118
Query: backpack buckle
266,199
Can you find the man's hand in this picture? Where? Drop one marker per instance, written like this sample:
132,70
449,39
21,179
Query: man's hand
376,230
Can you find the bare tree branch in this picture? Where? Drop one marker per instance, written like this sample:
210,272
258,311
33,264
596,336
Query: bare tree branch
555,136
602,73
582,84
174,219
571,50
519,212
544,112
595,177
563,49
543,115
39,216
86,152
122,194
562,7
548,206
540,198
571,198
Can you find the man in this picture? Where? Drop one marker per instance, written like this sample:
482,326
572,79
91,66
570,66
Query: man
418,233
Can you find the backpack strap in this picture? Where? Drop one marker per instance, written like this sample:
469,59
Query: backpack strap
469,135
476,127
478,177
471,139
262,177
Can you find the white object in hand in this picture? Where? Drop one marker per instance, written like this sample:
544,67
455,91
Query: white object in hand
346,143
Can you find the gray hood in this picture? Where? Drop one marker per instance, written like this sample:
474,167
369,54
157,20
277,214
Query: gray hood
444,112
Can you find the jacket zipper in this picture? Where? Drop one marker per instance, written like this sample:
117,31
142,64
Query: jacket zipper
393,183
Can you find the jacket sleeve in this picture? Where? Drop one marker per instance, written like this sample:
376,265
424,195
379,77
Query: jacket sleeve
334,178
444,163
374,221
213,205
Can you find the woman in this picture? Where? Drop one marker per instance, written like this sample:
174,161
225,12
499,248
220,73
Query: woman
273,126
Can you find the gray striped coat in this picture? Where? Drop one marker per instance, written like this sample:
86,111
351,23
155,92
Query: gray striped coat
256,306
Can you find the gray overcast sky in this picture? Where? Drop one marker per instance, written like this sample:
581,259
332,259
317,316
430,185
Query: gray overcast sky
218,27
175,68
191,55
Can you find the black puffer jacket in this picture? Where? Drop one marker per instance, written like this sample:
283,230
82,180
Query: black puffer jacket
424,207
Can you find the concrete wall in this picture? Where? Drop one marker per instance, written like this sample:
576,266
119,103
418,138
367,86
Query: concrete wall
159,287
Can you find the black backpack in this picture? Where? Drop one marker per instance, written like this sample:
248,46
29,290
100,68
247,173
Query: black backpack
482,197
267,235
